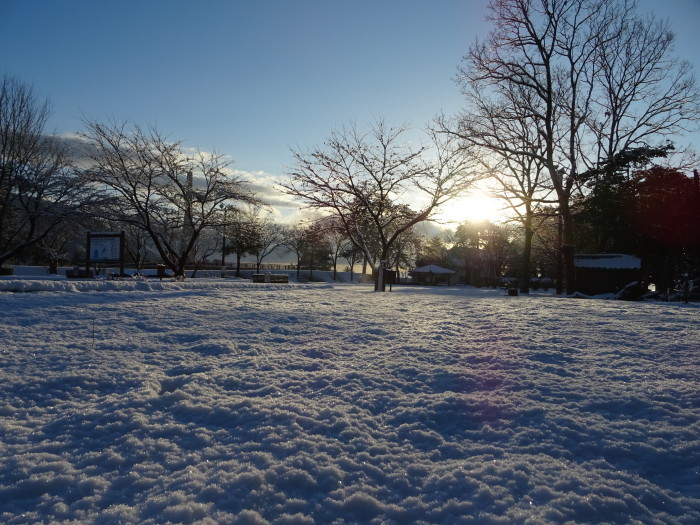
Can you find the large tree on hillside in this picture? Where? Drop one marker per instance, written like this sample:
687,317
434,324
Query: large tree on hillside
593,80
39,188
377,186
154,185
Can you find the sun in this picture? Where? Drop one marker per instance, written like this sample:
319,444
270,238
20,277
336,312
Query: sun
475,206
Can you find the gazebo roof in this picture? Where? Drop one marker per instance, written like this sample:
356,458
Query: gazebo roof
431,268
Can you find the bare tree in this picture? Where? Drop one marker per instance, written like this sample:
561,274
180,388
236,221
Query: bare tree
239,234
57,244
138,245
404,251
506,143
648,93
269,237
206,245
39,188
352,255
372,178
295,241
337,239
589,74
155,186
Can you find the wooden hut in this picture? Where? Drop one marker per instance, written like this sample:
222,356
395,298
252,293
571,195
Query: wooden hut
606,272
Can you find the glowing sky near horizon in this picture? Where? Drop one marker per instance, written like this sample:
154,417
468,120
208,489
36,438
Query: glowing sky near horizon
252,79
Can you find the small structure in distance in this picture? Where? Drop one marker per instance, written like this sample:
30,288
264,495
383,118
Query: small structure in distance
603,273
431,275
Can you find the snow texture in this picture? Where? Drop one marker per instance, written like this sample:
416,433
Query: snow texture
217,401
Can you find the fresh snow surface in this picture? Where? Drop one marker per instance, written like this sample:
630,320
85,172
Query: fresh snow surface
216,401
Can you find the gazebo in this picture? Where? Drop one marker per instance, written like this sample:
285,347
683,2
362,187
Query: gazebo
431,275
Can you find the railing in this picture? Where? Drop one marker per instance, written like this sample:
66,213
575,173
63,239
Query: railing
230,267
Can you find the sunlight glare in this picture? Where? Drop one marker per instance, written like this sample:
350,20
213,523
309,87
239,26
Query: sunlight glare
472,207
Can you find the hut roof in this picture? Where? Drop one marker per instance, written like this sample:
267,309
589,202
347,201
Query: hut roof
431,268
611,261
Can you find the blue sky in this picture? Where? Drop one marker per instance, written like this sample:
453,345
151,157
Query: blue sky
252,79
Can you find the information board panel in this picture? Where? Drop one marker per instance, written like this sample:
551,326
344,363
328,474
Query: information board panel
105,249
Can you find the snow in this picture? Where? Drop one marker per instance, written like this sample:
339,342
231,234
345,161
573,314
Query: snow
223,401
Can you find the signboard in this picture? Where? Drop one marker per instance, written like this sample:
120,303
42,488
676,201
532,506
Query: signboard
105,247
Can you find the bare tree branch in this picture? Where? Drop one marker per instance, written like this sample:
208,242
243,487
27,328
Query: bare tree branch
376,186
158,188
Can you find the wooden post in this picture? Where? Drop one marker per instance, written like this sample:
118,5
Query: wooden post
122,243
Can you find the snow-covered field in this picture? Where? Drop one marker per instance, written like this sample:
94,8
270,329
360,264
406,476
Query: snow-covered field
212,401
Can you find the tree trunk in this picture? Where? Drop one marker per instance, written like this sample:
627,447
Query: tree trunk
567,248
380,278
179,270
560,263
527,256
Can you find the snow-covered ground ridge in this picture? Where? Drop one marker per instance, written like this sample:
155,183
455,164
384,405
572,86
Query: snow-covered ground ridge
224,401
